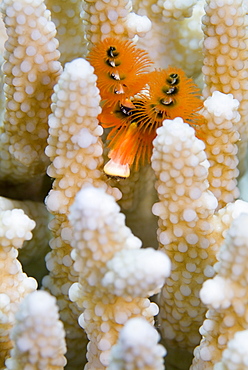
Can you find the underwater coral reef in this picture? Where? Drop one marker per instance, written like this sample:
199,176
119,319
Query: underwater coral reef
145,269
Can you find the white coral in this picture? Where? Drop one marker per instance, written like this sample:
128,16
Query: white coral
15,228
113,281
137,348
39,337
137,272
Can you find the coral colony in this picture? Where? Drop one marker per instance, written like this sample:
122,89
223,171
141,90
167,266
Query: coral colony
123,177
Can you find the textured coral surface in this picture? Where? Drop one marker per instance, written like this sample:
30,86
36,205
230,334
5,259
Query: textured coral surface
96,270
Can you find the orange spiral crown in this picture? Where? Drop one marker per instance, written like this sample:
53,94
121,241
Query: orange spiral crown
120,67
136,102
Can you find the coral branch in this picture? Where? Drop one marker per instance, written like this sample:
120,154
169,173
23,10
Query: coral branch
70,28
112,18
225,295
225,62
31,70
75,149
234,357
15,228
185,210
111,271
33,251
137,348
176,35
39,337
221,138
111,277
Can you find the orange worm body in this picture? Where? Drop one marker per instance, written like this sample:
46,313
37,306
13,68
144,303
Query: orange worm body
170,94
136,102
